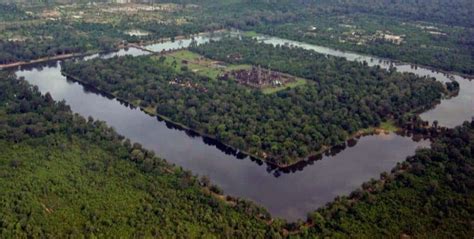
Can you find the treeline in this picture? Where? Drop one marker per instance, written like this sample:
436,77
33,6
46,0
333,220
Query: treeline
246,14
341,98
431,195
457,12
290,19
448,50
451,12
65,176
61,37
56,38
440,47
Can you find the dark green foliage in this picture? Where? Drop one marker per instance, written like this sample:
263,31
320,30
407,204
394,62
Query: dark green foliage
56,38
10,12
452,50
431,195
63,176
342,98
78,178
452,12
60,37
443,47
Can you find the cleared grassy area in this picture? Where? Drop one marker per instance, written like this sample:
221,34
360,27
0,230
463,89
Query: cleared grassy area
298,82
185,59
251,34
185,54
388,126
199,64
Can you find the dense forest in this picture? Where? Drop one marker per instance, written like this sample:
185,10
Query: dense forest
79,178
62,175
65,176
435,33
341,98
451,12
442,47
431,195
53,38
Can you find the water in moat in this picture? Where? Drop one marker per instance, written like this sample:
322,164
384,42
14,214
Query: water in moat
289,194
450,113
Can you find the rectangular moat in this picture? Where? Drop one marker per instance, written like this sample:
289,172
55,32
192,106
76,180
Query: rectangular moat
290,195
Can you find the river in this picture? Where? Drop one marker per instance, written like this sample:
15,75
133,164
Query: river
290,194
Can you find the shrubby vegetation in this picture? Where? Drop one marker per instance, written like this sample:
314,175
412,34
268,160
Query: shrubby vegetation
64,176
341,98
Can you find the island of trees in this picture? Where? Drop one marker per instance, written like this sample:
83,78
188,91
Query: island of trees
340,98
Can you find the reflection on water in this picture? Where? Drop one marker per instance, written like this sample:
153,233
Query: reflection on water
288,193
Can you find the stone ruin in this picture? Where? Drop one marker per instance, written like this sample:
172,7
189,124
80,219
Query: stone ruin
258,77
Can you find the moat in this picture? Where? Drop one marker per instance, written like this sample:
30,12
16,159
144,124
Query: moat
287,194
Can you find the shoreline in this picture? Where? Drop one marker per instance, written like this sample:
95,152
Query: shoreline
42,60
164,118
179,37
218,143
280,166
395,61
140,45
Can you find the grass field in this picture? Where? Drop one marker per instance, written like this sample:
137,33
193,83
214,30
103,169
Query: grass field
200,65
388,126
213,69
251,34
